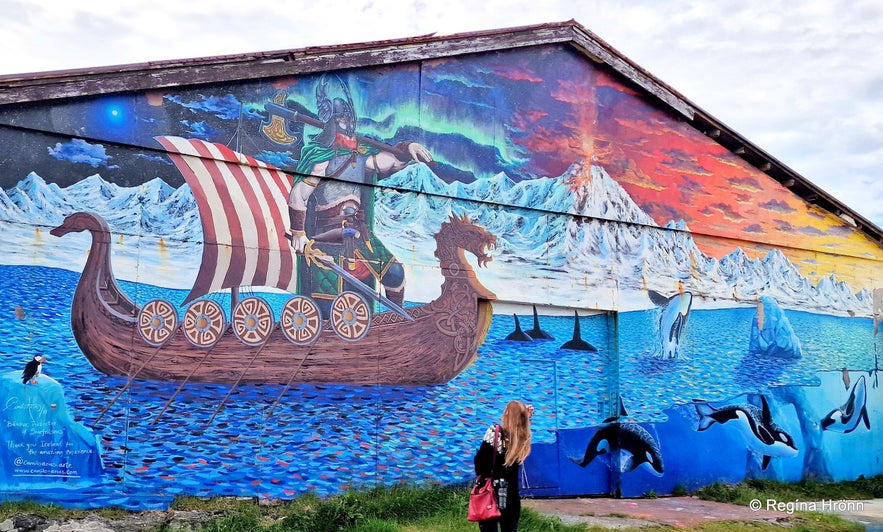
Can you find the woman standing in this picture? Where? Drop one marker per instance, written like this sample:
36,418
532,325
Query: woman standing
504,461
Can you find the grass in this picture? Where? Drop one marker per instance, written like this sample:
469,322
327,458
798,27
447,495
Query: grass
805,490
404,508
399,508
10,509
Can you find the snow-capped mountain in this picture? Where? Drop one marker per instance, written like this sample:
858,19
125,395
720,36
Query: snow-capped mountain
607,242
152,208
39,202
604,251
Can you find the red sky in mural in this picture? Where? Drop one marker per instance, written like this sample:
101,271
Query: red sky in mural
656,157
553,145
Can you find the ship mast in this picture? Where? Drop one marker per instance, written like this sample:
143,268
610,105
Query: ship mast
237,137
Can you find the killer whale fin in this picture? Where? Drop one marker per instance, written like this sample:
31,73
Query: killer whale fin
518,335
658,299
863,408
765,462
677,327
766,417
577,343
536,333
622,413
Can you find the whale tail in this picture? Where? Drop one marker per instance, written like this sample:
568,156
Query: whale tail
602,442
705,411
584,461
591,453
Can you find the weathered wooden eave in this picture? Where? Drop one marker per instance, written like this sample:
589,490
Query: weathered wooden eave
787,177
43,86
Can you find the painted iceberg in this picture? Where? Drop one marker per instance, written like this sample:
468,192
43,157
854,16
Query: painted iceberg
771,332
41,444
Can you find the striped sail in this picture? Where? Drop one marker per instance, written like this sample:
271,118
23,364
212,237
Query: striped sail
243,205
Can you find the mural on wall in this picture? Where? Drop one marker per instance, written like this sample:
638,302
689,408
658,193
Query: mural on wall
312,284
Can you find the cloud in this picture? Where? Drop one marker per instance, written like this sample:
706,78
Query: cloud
727,211
278,159
80,151
224,107
777,206
754,228
153,158
198,129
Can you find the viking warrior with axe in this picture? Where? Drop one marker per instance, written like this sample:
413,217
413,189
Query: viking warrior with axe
334,184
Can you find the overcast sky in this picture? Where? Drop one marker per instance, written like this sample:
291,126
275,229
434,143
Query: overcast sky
803,80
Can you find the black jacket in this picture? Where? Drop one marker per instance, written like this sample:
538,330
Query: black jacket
486,465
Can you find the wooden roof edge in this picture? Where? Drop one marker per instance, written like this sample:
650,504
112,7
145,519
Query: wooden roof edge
23,88
602,52
783,174
14,88
291,53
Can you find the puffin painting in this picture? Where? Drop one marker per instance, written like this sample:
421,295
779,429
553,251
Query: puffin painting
33,370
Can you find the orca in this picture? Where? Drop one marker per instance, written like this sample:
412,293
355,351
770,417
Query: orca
577,343
536,333
630,438
846,418
754,424
672,320
518,335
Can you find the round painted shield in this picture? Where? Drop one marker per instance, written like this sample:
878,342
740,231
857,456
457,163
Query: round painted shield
350,316
157,322
204,323
301,320
253,321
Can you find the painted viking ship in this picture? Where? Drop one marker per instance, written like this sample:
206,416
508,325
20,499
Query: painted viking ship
241,203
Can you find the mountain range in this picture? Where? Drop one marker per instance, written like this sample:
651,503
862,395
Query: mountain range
583,239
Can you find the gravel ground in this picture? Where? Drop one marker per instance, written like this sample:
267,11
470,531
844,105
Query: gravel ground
138,522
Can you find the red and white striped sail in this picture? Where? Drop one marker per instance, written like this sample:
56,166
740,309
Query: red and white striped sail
243,205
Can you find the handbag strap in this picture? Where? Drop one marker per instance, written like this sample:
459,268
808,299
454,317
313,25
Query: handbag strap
494,454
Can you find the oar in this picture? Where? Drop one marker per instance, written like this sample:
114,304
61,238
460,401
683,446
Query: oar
288,384
129,382
181,387
235,384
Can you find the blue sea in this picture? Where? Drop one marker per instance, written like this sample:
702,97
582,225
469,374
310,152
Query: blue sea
267,441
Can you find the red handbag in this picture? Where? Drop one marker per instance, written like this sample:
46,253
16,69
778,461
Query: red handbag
482,501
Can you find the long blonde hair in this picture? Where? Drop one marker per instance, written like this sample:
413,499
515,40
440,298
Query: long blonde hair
516,427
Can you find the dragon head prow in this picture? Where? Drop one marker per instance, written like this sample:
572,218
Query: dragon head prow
80,221
470,237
